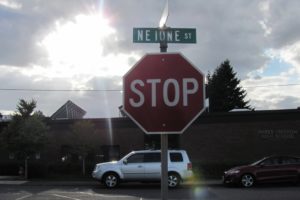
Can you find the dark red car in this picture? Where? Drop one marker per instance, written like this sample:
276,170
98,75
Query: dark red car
269,169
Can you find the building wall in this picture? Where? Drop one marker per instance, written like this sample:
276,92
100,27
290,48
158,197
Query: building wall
214,138
243,137
109,133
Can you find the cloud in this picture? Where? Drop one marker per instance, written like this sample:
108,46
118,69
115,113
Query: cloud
22,28
103,102
241,31
275,101
10,4
221,33
282,19
274,92
213,23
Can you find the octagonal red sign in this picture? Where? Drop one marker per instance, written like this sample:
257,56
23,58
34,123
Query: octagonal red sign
163,93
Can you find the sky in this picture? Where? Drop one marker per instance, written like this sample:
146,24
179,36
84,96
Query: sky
79,50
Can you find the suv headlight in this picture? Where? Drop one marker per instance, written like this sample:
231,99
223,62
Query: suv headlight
97,167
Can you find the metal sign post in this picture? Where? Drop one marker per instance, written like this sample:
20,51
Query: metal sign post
164,166
164,149
164,137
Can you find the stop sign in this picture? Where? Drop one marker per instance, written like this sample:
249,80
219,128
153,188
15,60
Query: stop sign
163,93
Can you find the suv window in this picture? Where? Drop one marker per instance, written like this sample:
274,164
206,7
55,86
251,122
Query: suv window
136,158
176,157
152,157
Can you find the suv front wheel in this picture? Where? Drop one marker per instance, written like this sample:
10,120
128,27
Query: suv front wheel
173,180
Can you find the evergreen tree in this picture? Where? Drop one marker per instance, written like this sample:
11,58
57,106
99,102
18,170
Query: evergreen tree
26,133
223,90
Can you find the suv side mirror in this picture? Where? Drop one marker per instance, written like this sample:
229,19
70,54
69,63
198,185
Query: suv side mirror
125,162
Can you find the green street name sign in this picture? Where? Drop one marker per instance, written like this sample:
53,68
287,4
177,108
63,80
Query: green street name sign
169,35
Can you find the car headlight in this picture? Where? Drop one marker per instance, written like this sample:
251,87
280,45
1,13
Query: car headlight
236,171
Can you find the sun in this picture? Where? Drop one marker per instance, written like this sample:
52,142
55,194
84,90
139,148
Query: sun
79,41
75,49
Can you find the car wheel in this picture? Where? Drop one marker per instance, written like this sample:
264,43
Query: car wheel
111,180
173,180
247,180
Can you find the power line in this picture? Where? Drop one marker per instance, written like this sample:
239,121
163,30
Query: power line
60,90
281,85
114,90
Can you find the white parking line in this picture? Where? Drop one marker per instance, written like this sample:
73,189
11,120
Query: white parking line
24,197
66,197
102,195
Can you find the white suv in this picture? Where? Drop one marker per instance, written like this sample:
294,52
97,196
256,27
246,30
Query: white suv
144,166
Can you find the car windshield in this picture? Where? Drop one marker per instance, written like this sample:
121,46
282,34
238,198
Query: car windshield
257,162
127,156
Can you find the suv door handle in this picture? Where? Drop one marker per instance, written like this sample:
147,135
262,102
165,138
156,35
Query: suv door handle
140,166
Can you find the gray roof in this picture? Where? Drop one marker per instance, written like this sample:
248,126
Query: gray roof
69,111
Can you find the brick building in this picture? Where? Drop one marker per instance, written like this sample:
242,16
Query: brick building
213,139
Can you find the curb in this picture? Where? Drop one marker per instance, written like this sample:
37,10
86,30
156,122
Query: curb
88,183
11,178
